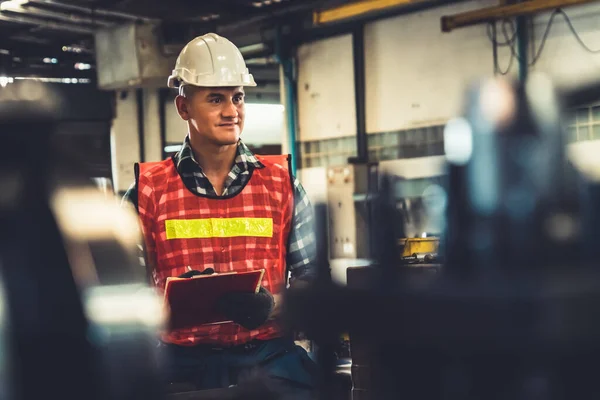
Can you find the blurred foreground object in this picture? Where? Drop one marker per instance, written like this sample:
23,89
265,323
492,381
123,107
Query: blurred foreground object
513,203
81,319
512,313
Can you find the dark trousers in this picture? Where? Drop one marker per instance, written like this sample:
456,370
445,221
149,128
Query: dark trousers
283,368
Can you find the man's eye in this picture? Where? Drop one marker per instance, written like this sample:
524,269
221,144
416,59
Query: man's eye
215,100
238,99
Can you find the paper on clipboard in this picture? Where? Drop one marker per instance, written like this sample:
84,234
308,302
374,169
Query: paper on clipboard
194,301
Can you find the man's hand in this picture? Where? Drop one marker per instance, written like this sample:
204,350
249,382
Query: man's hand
194,272
278,305
249,310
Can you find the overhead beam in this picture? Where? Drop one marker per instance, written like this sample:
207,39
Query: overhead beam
32,50
490,14
29,10
94,11
40,23
28,71
357,8
266,16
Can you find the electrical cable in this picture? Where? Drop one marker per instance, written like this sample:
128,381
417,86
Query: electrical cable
510,39
577,37
494,46
571,28
508,42
513,39
536,56
493,37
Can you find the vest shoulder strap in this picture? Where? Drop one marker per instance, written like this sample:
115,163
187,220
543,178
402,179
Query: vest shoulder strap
283,160
144,167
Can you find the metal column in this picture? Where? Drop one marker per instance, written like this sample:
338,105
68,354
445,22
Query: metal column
522,44
286,60
358,50
139,97
162,100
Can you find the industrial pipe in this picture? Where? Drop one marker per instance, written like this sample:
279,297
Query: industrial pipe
358,50
287,65
94,11
37,12
522,42
475,17
240,27
357,8
46,24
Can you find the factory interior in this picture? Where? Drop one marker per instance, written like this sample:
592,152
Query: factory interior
417,213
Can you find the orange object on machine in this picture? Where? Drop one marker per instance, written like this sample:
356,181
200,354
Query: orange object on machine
419,246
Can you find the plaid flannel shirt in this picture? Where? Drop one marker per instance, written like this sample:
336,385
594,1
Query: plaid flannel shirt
301,246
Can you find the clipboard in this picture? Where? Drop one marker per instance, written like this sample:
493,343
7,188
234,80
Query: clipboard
193,301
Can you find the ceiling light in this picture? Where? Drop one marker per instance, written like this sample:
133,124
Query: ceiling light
49,60
12,4
5,80
253,48
172,148
54,80
210,17
82,66
72,49
258,4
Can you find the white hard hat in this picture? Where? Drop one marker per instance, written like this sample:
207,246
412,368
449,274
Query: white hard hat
212,61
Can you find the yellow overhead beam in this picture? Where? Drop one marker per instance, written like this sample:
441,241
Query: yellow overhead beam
504,11
355,9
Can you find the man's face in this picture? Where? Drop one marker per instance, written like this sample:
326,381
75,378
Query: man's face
215,115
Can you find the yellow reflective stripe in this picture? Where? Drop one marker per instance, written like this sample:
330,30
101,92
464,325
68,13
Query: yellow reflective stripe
218,227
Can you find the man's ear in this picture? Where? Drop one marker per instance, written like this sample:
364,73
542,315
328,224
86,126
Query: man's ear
182,107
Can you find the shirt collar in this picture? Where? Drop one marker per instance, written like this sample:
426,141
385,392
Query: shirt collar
244,159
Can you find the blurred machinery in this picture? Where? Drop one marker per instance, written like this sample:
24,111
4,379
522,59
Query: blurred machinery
350,192
132,55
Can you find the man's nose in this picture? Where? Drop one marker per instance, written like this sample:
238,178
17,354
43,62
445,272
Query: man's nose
230,110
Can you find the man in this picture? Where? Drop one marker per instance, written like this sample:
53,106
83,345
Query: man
217,206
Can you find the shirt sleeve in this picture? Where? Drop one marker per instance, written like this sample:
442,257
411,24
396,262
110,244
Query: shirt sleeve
302,244
130,196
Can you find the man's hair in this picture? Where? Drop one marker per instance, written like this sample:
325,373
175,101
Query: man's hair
186,91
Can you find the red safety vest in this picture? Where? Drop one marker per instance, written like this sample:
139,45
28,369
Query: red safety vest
244,232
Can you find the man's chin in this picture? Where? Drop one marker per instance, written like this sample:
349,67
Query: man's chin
226,140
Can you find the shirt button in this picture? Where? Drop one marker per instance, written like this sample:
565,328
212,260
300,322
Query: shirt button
222,249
